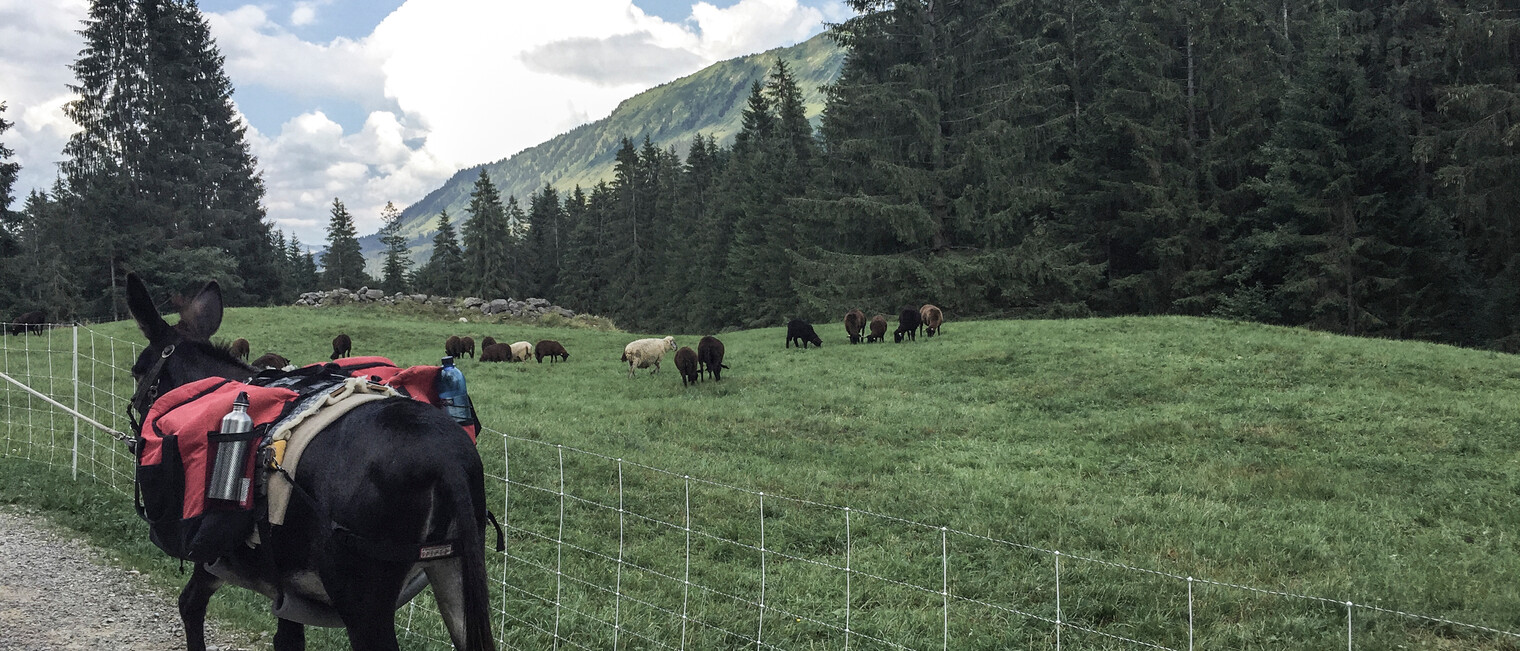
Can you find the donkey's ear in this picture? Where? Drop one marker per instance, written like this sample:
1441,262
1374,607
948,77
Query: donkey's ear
140,304
203,315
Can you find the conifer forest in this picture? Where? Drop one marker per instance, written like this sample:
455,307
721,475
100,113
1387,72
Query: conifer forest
1345,165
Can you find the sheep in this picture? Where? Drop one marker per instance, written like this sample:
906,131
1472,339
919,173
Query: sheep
271,360
551,349
451,346
644,353
342,346
932,318
687,366
907,324
521,351
496,353
878,329
710,356
467,345
238,348
854,323
801,332
486,342
31,322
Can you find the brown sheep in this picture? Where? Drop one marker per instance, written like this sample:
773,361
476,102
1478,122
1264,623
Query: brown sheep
467,345
451,346
488,341
342,346
908,323
932,317
496,353
551,349
239,348
31,322
854,324
710,356
686,365
270,360
878,329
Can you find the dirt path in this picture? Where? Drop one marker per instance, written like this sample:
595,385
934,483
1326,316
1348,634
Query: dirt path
56,594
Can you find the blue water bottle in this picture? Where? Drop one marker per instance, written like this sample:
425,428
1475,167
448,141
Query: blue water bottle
456,400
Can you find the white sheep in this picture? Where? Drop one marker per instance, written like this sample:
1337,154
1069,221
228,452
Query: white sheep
647,352
521,351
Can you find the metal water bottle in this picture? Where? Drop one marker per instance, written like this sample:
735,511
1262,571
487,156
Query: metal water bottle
452,392
231,455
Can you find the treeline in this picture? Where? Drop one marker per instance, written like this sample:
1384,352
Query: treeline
1346,165
158,180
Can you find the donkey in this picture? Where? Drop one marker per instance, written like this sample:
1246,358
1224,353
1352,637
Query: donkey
385,478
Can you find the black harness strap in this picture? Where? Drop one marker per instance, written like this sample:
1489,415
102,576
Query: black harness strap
147,392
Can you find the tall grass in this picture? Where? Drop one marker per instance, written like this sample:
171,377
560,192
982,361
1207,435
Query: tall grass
1376,471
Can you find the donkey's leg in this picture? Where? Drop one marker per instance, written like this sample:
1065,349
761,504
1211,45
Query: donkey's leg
364,593
192,606
290,636
447,579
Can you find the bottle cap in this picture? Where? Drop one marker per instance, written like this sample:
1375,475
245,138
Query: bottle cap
448,360
241,400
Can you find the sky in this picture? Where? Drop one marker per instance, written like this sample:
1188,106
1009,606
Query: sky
371,101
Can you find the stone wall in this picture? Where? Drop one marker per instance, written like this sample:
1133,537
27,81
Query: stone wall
529,308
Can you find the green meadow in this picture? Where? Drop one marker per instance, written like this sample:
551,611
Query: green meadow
1380,472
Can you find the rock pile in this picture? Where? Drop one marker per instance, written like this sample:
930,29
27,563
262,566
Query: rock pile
530,308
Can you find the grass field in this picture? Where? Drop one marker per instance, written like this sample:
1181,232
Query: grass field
1376,471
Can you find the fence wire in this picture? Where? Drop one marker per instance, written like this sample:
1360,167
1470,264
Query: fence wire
605,552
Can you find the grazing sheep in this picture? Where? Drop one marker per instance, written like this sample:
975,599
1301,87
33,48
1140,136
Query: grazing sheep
467,345
488,341
687,366
521,351
878,329
801,332
854,324
551,349
342,346
496,353
932,317
238,348
907,324
710,356
271,360
30,322
644,353
451,346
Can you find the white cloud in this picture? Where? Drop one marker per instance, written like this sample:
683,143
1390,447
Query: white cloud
38,41
304,14
260,52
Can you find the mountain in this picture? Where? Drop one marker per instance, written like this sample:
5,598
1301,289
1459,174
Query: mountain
708,102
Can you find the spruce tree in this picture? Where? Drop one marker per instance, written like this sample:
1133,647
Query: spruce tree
343,262
547,236
444,272
487,238
398,259
8,168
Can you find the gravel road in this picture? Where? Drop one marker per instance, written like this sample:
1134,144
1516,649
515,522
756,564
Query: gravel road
56,594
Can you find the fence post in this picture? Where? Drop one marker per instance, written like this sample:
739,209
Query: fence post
617,590
686,580
847,573
506,551
1058,601
761,628
559,546
1348,626
75,463
944,546
1190,613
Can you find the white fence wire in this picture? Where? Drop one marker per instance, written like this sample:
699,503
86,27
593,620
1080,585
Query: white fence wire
605,552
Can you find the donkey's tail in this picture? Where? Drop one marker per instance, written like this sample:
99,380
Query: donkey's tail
477,596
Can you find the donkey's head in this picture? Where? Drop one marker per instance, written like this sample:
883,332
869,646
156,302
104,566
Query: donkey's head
181,353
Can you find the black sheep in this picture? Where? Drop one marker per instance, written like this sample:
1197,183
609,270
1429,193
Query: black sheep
342,346
908,322
710,356
551,349
854,324
686,365
30,322
801,332
878,329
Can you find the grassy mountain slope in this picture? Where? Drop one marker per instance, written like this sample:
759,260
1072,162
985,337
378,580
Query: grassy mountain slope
671,115
1377,471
